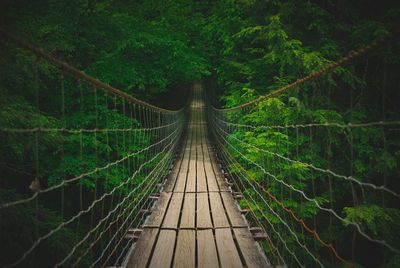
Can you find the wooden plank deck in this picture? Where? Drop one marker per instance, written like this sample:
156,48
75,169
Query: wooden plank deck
196,222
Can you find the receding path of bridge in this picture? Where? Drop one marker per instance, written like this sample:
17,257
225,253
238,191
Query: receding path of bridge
196,222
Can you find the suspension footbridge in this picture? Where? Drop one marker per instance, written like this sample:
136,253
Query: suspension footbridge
142,186
196,211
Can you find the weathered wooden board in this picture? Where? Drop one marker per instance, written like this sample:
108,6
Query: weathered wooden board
223,186
218,211
185,253
250,252
142,250
232,210
174,209
170,183
181,179
196,221
206,249
163,252
157,215
201,175
189,211
228,254
203,211
191,177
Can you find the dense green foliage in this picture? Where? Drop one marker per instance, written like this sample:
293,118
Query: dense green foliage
259,46
242,49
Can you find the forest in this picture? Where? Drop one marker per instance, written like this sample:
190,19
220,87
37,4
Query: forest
326,152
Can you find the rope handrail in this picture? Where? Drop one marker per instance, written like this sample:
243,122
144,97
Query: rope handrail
144,189
288,210
80,75
328,210
120,153
316,168
84,130
91,206
83,175
284,223
269,222
352,55
153,183
327,124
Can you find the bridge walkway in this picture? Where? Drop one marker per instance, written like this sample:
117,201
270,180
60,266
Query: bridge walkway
196,221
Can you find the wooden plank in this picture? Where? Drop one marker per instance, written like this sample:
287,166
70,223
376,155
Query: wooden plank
188,211
181,180
156,217
191,177
182,168
250,252
228,254
232,210
170,183
143,247
203,211
185,253
201,175
213,168
197,209
174,209
206,249
163,252
210,173
211,179
218,211
223,185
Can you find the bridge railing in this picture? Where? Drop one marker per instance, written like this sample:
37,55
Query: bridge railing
313,179
80,162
